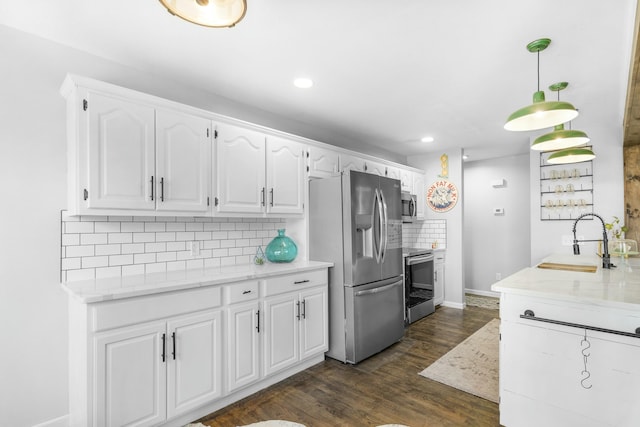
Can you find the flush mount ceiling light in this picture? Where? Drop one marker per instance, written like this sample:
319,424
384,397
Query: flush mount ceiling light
571,155
303,83
541,114
427,139
208,13
560,137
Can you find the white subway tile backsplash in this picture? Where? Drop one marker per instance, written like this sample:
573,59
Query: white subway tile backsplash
78,227
425,234
121,259
95,261
132,227
108,250
120,238
101,246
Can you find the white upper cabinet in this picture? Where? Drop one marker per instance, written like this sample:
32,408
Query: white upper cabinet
348,162
420,191
406,178
323,163
240,170
118,137
183,151
375,168
285,176
257,174
128,155
392,172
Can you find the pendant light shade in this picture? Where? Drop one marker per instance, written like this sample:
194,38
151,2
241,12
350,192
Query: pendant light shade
208,13
560,137
541,114
571,155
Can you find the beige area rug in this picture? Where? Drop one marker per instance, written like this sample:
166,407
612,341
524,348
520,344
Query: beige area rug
472,366
482,301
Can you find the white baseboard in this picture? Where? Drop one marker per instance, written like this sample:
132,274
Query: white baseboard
458,305
57,422
482,293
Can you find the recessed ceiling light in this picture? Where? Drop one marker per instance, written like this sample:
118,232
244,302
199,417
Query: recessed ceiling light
465,157
427,139
303,83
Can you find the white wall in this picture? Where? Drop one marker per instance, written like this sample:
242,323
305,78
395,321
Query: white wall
495,244
454,272
608,195
33,309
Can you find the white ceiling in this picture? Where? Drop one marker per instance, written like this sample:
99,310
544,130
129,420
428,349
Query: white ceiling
386,72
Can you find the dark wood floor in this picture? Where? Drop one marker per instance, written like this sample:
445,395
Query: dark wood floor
383,389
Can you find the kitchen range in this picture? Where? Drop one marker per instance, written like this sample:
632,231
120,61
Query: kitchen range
418,283
355,221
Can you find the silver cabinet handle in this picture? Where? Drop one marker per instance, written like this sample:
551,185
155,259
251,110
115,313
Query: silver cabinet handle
262,196
271,193
152,187
298,310
162,189
304,309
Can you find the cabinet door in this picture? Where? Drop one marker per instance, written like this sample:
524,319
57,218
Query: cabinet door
421,194
121,144
240,170
406,179
285,176
323,163
281,318
375,168
183,153
131,377
438,279
546,379
243,345
393,173
194,366
348,162
314,335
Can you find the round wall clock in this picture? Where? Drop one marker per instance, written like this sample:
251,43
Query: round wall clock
442,196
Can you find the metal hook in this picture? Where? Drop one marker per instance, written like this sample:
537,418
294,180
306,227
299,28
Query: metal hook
585,356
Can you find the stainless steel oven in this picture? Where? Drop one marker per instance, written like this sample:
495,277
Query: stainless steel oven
409,211
418,284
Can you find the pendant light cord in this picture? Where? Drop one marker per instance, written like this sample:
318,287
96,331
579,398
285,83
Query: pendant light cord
538,71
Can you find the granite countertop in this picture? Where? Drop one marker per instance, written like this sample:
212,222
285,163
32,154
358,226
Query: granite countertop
616,287
90,291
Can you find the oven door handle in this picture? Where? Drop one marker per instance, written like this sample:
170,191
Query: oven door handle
419,259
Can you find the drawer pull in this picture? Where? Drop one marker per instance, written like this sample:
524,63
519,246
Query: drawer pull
246,292
164,339
300,281
529,314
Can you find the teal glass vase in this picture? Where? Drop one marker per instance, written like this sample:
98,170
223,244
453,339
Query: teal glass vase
281,248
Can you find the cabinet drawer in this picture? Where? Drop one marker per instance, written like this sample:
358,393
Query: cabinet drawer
292,282
114,314
241,291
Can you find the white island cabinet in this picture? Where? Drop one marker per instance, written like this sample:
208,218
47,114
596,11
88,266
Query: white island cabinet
570,345
153,350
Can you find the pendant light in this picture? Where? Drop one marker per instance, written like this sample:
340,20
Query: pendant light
560,137
208,13
571,155
541,114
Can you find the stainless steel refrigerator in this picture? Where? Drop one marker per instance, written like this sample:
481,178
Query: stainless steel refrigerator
355,221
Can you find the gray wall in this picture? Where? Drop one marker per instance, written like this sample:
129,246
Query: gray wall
495,244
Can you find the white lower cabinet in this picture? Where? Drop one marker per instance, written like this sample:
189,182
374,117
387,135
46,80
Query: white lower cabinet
296,325
169,358
561,376
146,374
438,278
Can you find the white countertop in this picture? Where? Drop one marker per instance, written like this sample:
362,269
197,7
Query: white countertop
617,287
90,291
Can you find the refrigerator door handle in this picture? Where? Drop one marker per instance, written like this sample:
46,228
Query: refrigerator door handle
385,223
378,231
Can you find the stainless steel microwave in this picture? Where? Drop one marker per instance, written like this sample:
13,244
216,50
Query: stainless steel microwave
409,207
